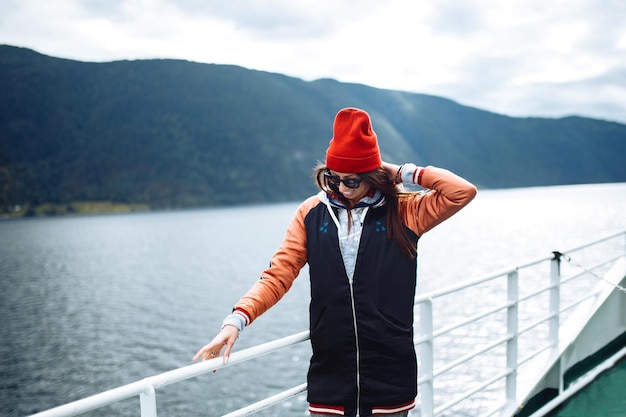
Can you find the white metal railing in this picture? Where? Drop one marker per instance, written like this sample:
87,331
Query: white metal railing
429,332
513,332
146,388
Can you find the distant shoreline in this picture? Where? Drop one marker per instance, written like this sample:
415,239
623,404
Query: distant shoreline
73,208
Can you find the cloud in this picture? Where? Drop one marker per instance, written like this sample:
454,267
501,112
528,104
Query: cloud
540,59
601,97
457,18
270,20
524,58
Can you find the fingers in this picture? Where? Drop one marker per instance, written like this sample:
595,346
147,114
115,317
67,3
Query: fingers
205,353
391,169
209,351
227,353
223,341
231,333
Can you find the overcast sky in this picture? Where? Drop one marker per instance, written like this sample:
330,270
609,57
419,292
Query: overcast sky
548,58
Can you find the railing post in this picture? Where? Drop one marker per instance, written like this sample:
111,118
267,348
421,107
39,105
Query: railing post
426,358
555,297
512,329
147,401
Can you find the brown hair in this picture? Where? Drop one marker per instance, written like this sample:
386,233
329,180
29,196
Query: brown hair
379,180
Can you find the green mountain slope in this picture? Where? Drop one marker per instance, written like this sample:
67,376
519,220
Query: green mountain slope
173,134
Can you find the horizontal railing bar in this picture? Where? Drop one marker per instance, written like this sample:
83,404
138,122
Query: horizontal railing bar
198,369
573,277
541,290
136,388
265,348
590,269
268,402
567,280
473,282
473,391
534,354
455,288
482,279
96,401
608,261
586,271
595,242
582,300
535,323
471,319
471,355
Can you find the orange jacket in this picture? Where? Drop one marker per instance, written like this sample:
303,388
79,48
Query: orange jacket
421,212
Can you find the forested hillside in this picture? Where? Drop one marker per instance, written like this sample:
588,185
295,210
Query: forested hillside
177,134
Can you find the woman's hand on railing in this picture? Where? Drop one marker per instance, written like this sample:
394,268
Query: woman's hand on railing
224,340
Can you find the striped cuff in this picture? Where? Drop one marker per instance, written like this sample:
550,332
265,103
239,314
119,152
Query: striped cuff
410,174
235,320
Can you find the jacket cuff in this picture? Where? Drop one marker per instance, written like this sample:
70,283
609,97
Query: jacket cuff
411,173
235,320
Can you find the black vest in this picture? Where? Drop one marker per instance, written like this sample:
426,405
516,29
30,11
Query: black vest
362,335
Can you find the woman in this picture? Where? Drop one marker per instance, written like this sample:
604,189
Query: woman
359,236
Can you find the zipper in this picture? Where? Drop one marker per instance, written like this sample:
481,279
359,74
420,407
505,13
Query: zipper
361,219
354,323
358,351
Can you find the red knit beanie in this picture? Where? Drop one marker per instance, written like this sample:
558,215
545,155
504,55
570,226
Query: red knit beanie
353,148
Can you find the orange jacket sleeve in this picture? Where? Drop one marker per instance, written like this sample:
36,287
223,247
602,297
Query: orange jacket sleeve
284,268
449,194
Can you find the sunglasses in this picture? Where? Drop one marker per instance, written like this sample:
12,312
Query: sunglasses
334,180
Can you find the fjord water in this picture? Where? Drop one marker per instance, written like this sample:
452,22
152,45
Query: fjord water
92,303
